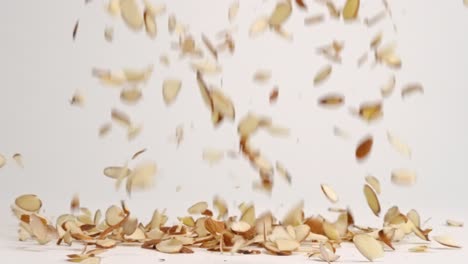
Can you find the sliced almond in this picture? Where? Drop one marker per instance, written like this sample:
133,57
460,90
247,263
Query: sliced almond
295,216
222,104
39,229
331,100
410,89
446,241
454,223
374,183
211,48
403,177
114,7
262,76
105,129
281,170
273,96
212,156
413,215
419,249
170,246
198,208
150,24
221,206
131,96
287,245
273,249
376,40
364,148
131,14
370,111
233,10
114,215
329,193
351,9
372,199
248,215
29,202
322,74
117,172
399,145
259,26
375,18
77,99
142,177
121,118
138,153
368,246
206,67
388,87
331,231
170,89
312,20
280,14
75,203
19,159
332,9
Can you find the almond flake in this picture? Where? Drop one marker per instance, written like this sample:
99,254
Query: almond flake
117,172
351,9
281,170
410,89
388,87
164,59
259,26
106,243
19,159
419,249
273,97
375,19
109,34
413,215
142,177
77,99
403,177
114,215
206,67
326,254
210,46
198,208
370,111
364,148
114,7
131,14
315,19
372,199
446,241
331,231
301,4
130,96
287,245
368,246
91,260
75,29
280,14
332,9
121,118
213,156
248,215
105,129
454,223
233,10
221,206
329,193
138,153
273,249
170,89
150,24
39,230
322,74
169,246
374,183
399,145
262,76
376,40
2,160
295,216
331,100
28,202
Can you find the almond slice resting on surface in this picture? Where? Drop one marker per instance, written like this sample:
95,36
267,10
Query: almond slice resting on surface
368,246
29,202
446,241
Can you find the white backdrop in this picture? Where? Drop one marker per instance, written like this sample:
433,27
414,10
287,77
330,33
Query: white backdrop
42,68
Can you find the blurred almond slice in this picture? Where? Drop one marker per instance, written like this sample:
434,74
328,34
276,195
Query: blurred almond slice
368,246
211,48
142,177
248,215
339,132
322,74
331,100
155,10
114,215
206,67
222,104
295,216
399,145
362,59
372,199
387,89
326,254
171,23
198,208
375,18
131,14
105,129
351,9
281,170
164,60
370,111
109,34
331,231
281,13
114,7
221,206
121,118
465,2
75,203
212,156
273,249
273,97
171,88
150,23
233,10
106,243
387,55
413,215
18,159
419,249
364,148
283,33
410,89
277,130
240,227
2,160
29,202
138,153
130,96
78,99
332,9
301,4
329,193
169,246
454,223
134,131
262,76
313,20
376,40
259,26
446,241
403,177
287,245
116,172
374,183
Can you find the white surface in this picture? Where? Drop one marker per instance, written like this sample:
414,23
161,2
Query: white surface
42,67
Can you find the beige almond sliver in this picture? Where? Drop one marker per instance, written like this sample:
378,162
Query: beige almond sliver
446,241
419,249
280,14
368,246
142,177
454,223
150,24
91,260
170,89
374,183
233,10
372,199
387,89
104,129
19,159
212,156
322,74
131,14
410,89
403,177
121,118
287,245
206,67
29,202
262,76
399,145
351,9
329,193
130,96
198,208
170,246
259,26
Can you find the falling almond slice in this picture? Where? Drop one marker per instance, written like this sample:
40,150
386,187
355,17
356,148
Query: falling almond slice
233,10
301,4
376,40
372,199
131,14
329,193
198,208
121,118
465,2
327,254
105,129
206,67
403,177
331,100
273,96
248,215
262,76
211,48
114,7
364,148
374,183
454,223
419,249
413,215
399,145
212,156
142,177
138,153
109,34
322,74
131,96
283,33
170,89
368,246
446,241
295,216
273,249
375,18
340,132
170,246
410,89
280,14
114,215
105,243
370,111
313,20
164,59
150,24
259,26
28,202
222,104
77,99
281,170
332,9
19,159
351,9
388,87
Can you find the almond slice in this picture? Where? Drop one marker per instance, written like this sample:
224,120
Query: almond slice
403,177
130,96
372,199
262,76
117,172
221,206
29,202
198,208
322,74
39,229
312,20
114,215
446,241
170,89
419,249
206,67
19,159
370,111
374,183
222,104
413,215
368,246
240,227
106,243
364,148
399,145
131,14
327,254
388,87
248,215
150,23
287,245
233,10
169,246
329,193
280,14
295,216
259,26
331,100
454,223
212,156
121,118
104,129
351,9
142,177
